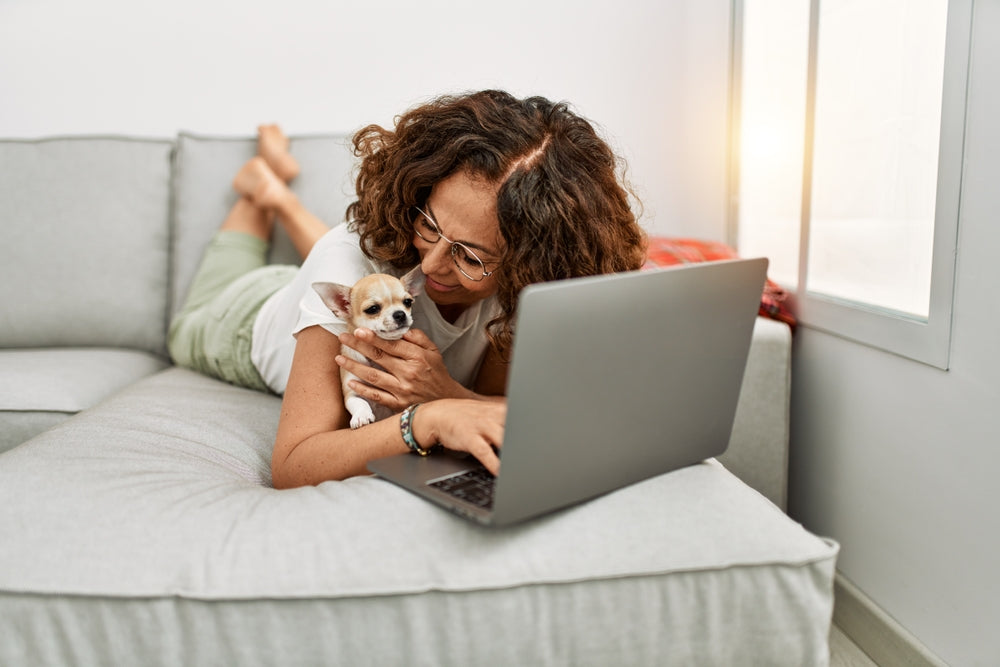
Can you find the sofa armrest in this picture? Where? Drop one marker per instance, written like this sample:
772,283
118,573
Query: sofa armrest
758,447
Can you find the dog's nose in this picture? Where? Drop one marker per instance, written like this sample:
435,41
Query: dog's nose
399,316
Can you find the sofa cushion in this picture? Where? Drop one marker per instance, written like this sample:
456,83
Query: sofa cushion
18,426
758,447
43,387
84,257
204,168
151,517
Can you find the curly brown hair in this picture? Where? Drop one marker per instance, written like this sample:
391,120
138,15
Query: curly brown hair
563,202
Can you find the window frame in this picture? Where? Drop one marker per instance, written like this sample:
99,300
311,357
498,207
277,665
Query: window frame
927,340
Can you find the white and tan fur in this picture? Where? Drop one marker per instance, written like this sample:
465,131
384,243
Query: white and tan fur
379,302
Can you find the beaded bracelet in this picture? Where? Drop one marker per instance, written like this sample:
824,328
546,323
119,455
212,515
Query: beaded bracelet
406,428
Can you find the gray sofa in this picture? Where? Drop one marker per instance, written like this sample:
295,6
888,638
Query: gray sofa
138,524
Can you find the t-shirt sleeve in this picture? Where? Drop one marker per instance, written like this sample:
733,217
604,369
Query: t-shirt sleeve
336,258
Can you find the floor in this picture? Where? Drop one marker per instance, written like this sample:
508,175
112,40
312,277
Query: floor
844,653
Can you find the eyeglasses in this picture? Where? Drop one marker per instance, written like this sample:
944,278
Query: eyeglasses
465,259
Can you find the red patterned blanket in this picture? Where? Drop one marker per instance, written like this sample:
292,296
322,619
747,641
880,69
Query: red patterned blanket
665,251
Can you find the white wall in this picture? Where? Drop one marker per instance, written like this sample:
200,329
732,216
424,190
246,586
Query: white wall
651,73
899,461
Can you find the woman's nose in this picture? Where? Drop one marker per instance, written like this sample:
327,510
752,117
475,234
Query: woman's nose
437,259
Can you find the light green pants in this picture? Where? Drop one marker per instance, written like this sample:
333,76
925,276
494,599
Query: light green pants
213,332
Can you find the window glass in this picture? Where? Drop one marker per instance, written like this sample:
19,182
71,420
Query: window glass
775,54
879,73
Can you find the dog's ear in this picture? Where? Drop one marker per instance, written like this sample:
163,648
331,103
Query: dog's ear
413,281
336,297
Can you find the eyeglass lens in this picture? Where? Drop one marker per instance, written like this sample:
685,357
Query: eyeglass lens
465,259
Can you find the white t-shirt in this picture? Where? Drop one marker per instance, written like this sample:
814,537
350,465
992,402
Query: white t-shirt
337,258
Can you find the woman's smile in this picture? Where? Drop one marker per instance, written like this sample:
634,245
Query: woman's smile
438,287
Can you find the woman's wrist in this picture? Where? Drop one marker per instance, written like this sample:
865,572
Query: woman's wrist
406,419
425,425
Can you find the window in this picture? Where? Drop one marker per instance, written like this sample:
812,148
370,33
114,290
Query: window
848,128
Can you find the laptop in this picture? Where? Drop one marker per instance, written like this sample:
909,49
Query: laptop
613,379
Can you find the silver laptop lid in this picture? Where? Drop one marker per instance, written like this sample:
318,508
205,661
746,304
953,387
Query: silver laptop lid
618,378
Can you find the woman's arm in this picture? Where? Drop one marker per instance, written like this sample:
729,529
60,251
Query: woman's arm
491,382
314,442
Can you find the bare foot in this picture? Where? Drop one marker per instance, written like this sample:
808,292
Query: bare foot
272,145
257,182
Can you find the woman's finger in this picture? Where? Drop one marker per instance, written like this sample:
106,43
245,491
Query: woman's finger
367,373
375,395
420,339
378,350
485,455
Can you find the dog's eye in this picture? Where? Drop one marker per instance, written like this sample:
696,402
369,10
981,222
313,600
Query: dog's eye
373,310
408,302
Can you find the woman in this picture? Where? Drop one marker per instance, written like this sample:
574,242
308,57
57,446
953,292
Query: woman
488,194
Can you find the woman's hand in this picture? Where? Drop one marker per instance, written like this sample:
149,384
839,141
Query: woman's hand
414,369
471,426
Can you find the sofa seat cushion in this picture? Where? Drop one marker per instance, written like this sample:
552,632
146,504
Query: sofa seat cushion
151,517
43,387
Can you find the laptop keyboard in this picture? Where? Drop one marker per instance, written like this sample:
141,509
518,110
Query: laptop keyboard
474,486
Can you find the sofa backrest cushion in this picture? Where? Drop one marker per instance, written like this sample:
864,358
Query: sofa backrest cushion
83,260
204,168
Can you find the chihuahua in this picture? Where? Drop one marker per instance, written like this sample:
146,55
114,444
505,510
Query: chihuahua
379,302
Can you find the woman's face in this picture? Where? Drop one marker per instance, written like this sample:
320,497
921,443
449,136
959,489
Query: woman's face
465,211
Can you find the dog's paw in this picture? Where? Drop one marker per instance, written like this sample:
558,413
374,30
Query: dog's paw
361,412
357,421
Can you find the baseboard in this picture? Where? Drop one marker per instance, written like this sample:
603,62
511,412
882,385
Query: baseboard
885,641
